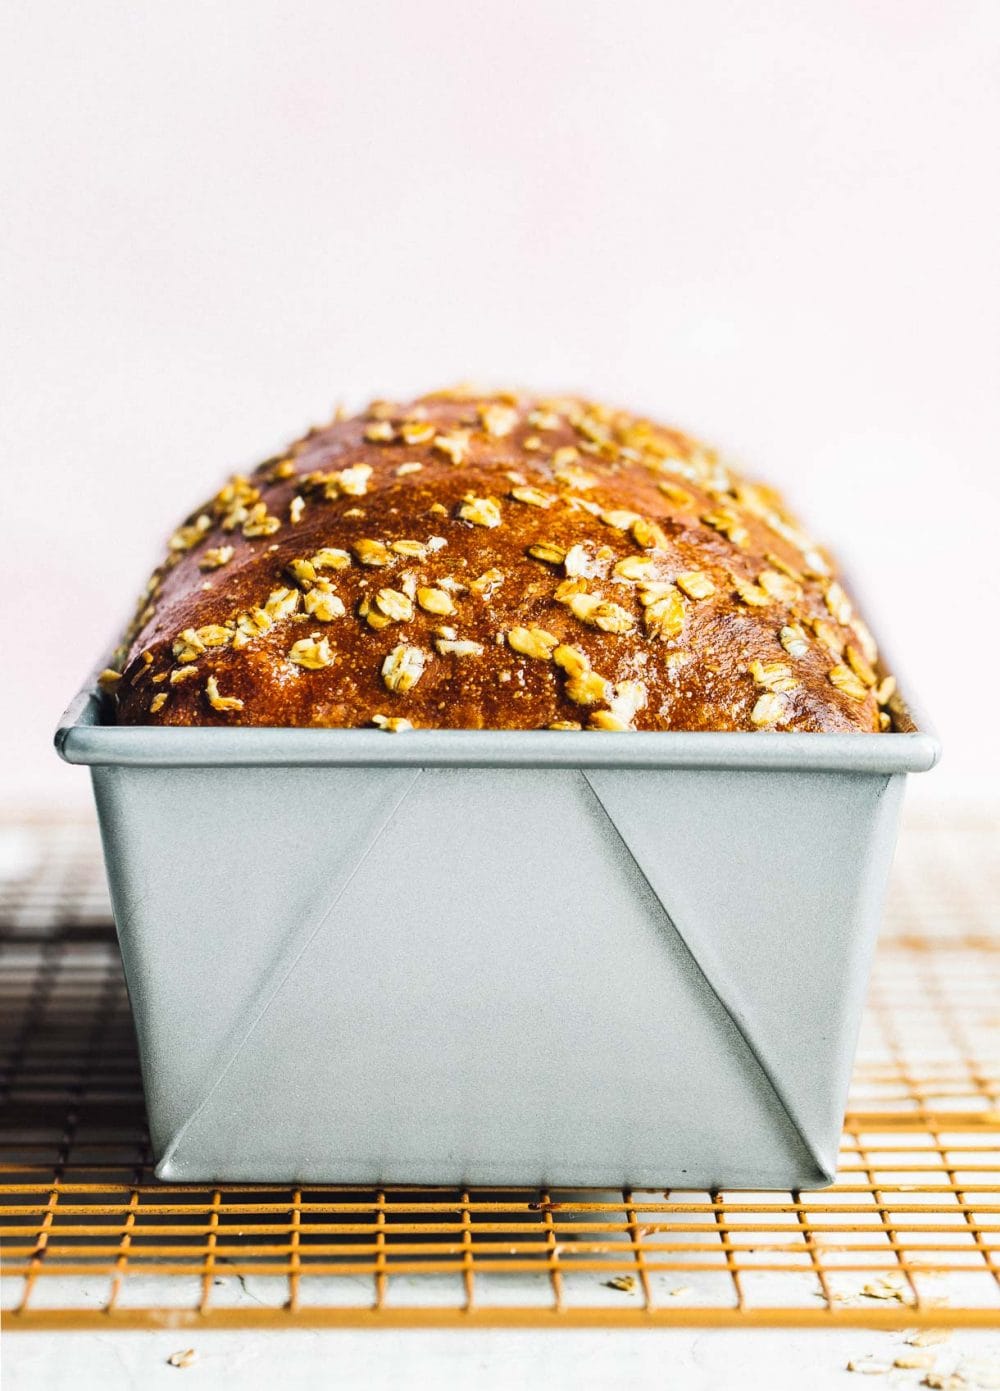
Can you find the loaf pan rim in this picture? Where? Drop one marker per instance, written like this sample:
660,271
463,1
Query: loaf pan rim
82,738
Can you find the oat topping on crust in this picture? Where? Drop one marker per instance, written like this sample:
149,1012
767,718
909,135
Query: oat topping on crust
533,497
635,568
768,710
394,605
481,511
454,445
313,653
403,668
695,584
664,613
553,563
773,676
370,552
392,724
486,584
217,701
323,603
599,613
793,639
458,647
533,642
215,557
330,558
435,600
847,681
549,551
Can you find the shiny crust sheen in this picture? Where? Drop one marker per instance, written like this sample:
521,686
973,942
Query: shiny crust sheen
498,562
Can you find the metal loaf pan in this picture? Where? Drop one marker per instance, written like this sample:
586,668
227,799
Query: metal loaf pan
500,958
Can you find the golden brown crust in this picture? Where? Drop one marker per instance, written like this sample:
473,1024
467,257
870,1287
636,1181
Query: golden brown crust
494,562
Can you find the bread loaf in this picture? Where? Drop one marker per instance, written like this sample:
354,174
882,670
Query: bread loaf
495,562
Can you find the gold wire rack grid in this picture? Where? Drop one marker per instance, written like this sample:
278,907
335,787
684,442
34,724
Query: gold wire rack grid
909,1234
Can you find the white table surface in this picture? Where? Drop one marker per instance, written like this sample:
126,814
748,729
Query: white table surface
678,1359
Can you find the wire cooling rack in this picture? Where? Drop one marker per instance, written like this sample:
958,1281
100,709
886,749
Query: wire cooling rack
908,1235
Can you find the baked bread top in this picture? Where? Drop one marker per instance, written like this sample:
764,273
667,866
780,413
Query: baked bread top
498,562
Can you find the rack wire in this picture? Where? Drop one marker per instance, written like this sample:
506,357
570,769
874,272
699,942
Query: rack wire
909,1235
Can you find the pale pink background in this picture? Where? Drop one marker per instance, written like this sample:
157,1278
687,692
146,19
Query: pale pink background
775,223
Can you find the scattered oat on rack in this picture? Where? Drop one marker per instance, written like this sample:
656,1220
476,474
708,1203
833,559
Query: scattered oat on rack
187,1358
